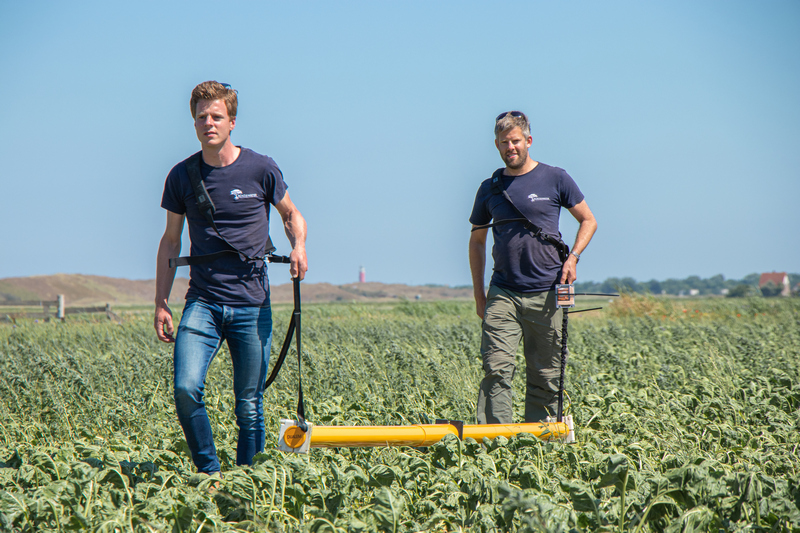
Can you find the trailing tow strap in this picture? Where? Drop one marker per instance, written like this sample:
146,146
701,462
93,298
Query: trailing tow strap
294,328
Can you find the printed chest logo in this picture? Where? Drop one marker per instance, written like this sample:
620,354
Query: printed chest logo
237,193
536,198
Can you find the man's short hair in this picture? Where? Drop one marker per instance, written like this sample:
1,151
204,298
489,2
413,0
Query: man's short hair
213,90
510,120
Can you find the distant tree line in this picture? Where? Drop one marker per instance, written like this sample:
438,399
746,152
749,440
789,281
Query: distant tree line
691,286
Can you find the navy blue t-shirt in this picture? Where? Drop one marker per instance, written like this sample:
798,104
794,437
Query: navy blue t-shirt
242,193
523,263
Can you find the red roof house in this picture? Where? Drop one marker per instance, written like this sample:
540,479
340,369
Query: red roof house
779,279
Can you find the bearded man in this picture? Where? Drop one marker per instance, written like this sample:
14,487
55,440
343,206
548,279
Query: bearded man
521,203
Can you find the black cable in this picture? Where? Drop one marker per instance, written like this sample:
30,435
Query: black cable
582,310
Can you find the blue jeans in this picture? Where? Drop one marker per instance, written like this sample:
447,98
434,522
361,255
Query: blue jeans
248,331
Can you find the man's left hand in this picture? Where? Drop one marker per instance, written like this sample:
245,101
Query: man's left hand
299,263
569,272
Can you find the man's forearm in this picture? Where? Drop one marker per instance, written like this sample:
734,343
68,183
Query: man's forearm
165,275
295,228
477,266
585,232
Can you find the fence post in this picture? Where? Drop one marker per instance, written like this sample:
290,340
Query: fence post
60,314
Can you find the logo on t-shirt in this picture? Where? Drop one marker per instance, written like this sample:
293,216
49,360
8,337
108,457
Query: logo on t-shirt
237,193
535,198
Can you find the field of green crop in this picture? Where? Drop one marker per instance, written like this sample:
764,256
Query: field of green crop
687,414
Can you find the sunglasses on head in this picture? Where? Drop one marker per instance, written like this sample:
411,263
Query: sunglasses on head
228,86
512,113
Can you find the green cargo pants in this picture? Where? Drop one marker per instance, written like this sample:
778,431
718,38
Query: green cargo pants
509,317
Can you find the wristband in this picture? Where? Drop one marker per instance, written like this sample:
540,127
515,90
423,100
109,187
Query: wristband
577,257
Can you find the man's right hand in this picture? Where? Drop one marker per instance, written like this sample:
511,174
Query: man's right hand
163,324
480,304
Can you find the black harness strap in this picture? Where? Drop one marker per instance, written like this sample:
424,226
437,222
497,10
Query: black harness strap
536,231
204,202
198,259
206,206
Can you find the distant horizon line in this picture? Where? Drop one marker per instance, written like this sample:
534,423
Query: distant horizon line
460,286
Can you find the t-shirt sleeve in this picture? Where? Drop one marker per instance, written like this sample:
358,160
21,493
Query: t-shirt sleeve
275,186
570,194
480,209
173,198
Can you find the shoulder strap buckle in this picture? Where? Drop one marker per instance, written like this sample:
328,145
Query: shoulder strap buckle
204,202
535,230
497,183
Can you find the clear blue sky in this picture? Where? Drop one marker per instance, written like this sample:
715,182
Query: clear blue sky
679,120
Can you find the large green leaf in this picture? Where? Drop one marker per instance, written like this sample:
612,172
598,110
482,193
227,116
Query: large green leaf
387,508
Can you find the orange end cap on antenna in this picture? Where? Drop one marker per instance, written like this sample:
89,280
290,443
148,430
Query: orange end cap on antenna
294,437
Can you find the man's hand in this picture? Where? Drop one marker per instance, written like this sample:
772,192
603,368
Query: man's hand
298,262
480,304
163,324
569,272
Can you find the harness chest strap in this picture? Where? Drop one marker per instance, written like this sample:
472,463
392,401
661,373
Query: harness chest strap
206,206
497,188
